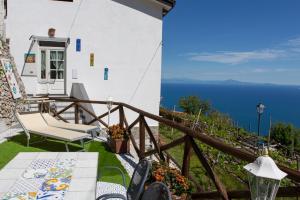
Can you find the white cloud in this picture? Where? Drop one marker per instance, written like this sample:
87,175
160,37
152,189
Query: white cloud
260,70
295,50
289,49
237,57
281,70
294,42
269,69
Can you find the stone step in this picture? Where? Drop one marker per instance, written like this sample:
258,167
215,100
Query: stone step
3,126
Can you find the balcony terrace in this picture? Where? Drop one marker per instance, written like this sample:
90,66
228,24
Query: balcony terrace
189,143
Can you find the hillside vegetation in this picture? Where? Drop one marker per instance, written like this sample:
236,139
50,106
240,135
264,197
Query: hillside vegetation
229,169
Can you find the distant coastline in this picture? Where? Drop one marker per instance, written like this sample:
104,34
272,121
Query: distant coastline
221,82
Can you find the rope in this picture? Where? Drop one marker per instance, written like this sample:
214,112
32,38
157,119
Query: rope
145,72
75,17
71,27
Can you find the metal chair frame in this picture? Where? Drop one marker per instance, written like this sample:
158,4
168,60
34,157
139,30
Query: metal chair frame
141,188
150,190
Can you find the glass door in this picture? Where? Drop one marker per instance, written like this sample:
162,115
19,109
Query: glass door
57,67
52,70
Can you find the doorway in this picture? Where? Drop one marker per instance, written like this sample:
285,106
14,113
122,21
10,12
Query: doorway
52,72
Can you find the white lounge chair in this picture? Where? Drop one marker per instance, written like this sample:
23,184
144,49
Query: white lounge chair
35,123
51,121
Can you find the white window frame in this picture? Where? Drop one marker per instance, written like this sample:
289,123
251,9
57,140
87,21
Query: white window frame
48,70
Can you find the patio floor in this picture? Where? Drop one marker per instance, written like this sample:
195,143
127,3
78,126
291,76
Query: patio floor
16,144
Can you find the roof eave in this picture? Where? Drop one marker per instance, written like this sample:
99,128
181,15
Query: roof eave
167,5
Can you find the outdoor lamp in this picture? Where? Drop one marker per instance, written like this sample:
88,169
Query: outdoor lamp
260,108
264,177
109,106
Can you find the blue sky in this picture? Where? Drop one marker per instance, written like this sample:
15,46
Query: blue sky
245,40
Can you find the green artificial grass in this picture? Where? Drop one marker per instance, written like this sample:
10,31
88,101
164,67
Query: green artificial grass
9,149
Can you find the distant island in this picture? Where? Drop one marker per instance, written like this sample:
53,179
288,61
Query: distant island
219,82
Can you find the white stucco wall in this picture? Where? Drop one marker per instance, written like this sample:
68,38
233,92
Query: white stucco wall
125,36
2,15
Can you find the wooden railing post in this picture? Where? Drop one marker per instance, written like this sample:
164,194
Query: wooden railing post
168,160
220,187
142,136
39,107
47,105
186,157
76,112
298,163
121,116
153,139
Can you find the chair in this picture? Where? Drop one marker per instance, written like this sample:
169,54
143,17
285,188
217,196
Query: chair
157,191
51,121
34,123
136,185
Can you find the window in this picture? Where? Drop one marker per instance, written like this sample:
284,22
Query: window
57,64
43,64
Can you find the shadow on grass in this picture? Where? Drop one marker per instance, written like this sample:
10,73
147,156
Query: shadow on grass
45,144
107,158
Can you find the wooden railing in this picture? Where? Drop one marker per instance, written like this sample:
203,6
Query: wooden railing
188,140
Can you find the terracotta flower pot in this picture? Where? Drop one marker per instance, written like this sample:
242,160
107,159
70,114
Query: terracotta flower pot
119,145
51,32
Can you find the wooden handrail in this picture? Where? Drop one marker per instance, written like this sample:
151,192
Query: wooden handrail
103,115
190,143
92,114
213,142
74,100
64,109
165,147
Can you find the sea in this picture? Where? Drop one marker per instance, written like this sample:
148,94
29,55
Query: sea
282,103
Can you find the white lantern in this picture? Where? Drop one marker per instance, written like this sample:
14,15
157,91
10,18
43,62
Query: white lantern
109,103
109,106
264,177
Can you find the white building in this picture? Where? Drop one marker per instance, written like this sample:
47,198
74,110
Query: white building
112,47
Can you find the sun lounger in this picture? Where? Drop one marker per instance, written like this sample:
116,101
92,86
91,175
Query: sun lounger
51,121
34,123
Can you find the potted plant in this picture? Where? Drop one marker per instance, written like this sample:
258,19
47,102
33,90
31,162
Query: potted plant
118,140
51,32
179,185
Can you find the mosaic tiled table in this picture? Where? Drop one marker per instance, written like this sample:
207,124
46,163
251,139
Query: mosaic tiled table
50,176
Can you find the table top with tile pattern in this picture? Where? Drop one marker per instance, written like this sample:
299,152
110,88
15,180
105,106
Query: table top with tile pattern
24,175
